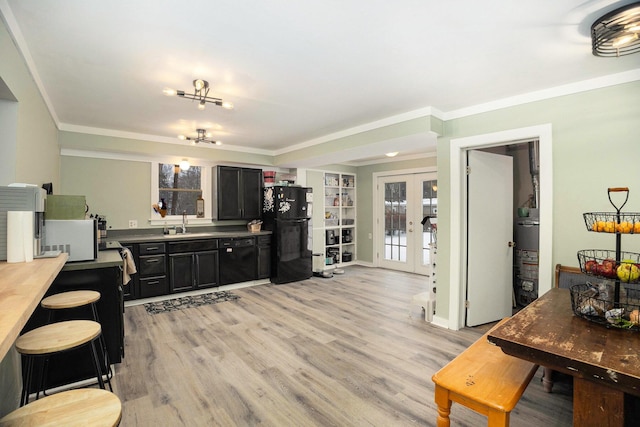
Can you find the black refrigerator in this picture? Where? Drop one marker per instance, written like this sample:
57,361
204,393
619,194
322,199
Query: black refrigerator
286,212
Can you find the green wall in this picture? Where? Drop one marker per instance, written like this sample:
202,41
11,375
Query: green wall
35,155
595,146
118,189
35,137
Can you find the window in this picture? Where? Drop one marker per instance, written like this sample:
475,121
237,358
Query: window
179,188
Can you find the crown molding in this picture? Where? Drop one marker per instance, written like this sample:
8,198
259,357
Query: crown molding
155,138
554,92
388,121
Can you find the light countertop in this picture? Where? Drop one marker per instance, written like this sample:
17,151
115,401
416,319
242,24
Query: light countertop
109,258
22,286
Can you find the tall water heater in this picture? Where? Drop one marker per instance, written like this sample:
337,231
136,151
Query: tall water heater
526,259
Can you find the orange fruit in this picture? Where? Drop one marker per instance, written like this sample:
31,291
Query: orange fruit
636,227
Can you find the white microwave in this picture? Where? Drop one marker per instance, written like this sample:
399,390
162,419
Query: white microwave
76,237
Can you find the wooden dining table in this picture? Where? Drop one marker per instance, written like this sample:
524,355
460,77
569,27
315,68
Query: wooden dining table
604,362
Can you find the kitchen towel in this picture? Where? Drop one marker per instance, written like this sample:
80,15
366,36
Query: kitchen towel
20,236
129,265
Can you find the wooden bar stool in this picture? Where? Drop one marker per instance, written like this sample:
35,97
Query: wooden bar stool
80,407
54,338
71,299
75,299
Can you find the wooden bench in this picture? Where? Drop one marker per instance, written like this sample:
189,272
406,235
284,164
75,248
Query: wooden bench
483,379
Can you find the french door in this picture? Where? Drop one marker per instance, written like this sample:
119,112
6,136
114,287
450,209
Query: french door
406,221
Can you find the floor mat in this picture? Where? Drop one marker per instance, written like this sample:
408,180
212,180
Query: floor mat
189,302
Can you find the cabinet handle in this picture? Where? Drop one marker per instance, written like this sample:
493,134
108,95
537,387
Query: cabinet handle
152,261
155,248
155,282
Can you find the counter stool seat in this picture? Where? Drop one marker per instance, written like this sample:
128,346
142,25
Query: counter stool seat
75,299
55,338
80,407
70,299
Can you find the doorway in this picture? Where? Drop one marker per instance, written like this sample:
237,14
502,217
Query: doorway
406,221
457,218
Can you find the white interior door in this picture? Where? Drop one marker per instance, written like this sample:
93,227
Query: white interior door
489,233
404,202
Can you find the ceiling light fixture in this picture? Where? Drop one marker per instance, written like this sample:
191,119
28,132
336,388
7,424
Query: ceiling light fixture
393,154
201,90
202,137
184,165
617,33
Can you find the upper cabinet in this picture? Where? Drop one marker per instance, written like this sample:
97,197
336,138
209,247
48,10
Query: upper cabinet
239,193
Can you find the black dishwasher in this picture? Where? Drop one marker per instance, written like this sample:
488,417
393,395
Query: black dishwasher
237,260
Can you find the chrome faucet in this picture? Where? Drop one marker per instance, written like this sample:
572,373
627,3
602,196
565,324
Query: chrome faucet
184,222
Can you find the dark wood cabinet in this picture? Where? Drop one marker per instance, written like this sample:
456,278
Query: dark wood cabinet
171,266
264,257
239,193
152,269
180,272
206,268
193,265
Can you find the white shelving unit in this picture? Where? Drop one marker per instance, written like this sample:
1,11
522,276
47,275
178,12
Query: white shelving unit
339,218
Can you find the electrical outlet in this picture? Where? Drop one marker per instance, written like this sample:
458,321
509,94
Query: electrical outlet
370,236
133,223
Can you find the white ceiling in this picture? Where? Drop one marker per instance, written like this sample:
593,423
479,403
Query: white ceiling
297,71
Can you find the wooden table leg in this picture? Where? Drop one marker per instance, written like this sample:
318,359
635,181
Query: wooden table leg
498,418
596,405
444,406
547,379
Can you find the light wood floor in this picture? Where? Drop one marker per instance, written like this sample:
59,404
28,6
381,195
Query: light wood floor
346,351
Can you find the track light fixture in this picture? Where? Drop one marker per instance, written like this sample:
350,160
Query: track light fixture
200,92
202,137
617,33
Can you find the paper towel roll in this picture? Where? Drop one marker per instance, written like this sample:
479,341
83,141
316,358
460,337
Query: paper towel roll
20,236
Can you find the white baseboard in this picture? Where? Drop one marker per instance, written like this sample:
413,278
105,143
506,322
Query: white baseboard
364,264
440,321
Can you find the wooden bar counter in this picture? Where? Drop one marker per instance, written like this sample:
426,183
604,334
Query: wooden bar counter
22,286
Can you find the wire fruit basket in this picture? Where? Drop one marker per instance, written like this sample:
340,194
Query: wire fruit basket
595,302
613,298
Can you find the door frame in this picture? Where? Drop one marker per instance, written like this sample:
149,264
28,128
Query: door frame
377,246
458,210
